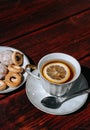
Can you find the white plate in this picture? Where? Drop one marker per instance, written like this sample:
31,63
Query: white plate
36,93
26,61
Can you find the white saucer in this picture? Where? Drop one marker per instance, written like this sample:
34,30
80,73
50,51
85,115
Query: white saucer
25,62
36,93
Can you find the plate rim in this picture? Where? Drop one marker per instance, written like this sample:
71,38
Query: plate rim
8,90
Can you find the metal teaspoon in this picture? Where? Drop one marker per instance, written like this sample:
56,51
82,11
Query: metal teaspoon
55,102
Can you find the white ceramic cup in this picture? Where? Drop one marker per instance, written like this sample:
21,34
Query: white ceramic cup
52,88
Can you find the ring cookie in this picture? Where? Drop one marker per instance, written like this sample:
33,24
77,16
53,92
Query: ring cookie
15,68
13,79
17,58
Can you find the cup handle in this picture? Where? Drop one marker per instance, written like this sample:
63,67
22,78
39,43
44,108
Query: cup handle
33,67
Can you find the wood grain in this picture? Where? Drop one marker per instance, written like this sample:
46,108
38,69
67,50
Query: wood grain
39,27
68,36
18,18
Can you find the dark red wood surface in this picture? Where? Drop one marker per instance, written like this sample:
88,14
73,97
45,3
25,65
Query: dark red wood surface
39,27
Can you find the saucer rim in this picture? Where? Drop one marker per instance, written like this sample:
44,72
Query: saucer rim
85,96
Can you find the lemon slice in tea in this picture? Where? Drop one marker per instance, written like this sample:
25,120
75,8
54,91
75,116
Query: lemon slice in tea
56,72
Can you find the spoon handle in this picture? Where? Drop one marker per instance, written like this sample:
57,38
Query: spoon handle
76,94
82,91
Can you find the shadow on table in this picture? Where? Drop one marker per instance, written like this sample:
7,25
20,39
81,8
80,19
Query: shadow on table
86,73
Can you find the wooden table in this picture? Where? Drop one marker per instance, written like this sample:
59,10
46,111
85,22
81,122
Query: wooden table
39,27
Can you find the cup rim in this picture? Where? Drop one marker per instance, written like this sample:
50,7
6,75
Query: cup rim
72,80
